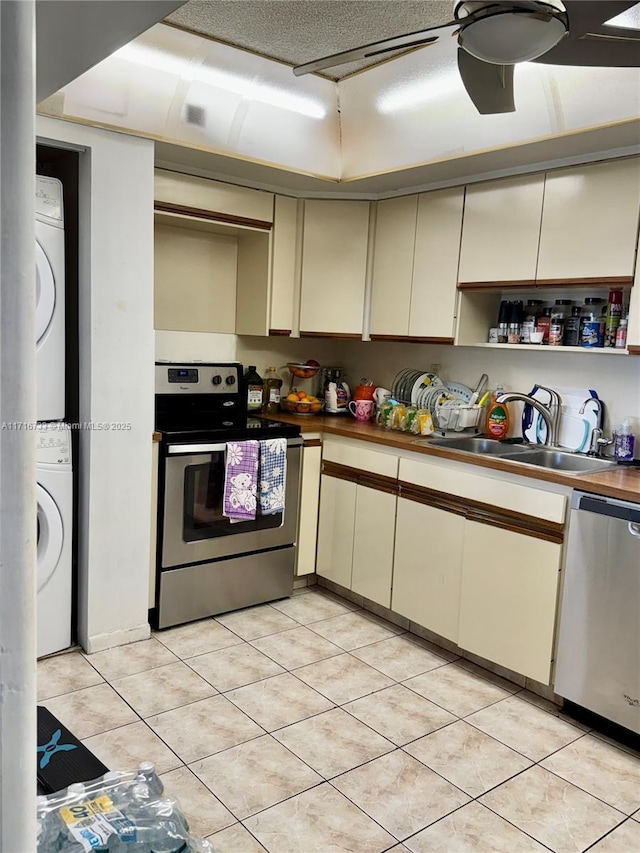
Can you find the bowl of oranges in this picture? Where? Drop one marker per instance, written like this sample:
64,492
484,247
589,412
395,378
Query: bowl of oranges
304,371
301,403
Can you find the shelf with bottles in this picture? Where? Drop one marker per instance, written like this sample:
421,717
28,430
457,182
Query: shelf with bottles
478,312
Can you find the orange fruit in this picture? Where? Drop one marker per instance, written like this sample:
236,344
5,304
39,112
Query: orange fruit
302,395
293,397
303,406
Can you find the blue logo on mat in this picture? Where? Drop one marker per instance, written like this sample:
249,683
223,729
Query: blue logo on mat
50,749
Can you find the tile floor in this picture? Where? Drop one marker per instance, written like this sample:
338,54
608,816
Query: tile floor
312,725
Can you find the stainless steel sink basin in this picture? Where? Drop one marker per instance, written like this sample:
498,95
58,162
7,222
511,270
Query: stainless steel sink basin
478,445
528,454
568,463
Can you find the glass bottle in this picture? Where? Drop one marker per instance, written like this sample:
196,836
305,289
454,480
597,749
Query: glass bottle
572,328
271,396
254,389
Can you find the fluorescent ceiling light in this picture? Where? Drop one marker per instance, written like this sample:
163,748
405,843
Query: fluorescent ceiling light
630,19
246,87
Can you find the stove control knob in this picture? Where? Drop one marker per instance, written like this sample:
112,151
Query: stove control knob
230,380
216,380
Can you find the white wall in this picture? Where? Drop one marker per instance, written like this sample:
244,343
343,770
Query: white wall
116,378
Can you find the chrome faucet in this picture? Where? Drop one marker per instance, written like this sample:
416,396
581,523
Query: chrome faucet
598,442
550,413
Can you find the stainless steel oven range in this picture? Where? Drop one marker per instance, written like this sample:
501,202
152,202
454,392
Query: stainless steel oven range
207,564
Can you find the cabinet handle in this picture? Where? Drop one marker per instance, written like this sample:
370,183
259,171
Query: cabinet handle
634,529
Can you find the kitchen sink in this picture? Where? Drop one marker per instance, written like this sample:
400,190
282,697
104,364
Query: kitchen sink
479,445
558,460
527,454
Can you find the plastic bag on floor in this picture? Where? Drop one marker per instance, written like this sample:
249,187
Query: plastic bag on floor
121,812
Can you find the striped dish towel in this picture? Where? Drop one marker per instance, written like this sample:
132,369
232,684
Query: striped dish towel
273,475
241,480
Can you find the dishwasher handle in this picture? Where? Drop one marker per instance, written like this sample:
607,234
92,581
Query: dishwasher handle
622,510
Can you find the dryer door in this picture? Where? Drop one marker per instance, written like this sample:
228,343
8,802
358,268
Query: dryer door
50,536
45,293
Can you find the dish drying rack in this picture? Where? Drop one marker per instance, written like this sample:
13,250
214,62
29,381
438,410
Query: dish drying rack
456,416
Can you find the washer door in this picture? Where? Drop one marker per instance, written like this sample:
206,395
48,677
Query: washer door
45,293
50,536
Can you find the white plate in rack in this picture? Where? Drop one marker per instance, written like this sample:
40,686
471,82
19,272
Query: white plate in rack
459,391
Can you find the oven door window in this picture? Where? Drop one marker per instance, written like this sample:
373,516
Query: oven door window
203,495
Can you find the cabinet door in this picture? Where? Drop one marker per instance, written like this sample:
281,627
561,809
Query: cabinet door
501,230
374,531
508,600
334,264
590,221
308,516
203,194
435,269
428,567
393,266
335,530
283,271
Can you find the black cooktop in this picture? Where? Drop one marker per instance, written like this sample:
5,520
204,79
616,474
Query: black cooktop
239,428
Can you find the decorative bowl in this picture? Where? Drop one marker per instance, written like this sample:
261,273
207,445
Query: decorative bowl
303,371
302,407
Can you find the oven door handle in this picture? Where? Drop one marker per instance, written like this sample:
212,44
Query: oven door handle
189,449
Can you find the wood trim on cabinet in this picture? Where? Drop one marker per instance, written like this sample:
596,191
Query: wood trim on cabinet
603,281
633,349
379,482
279,333
354,336
212,216
312,442
506,519
412,339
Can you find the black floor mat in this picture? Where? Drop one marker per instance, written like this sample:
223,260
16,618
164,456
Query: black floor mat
61,758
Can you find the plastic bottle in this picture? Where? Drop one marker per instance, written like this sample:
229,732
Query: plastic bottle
254,389
147,773
612,321
591,326
624,442
497,416
621,334
271,396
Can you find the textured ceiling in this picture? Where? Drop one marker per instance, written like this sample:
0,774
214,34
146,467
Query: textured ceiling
297,31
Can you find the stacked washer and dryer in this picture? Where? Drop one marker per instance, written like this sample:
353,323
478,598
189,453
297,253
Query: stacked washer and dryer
54,469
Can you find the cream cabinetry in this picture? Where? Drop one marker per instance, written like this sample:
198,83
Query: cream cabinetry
508,598
590,221
336,526
284,270
334,266
200,195
308,511
501,230
415,265
374,534
428,567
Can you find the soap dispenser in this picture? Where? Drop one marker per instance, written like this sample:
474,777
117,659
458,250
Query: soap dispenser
498,416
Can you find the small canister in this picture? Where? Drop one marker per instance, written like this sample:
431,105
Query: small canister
592,323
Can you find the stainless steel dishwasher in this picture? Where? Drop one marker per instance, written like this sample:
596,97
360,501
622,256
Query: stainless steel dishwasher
598,659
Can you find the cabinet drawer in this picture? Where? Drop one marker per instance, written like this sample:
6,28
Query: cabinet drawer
354,455
453,480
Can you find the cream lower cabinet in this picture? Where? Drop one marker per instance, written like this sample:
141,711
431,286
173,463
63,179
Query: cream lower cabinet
308,510
373,540
336,524
428,567
508,598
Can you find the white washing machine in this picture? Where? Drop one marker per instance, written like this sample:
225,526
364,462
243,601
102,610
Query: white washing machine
55,508
50,292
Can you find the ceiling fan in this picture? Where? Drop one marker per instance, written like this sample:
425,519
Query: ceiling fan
494,36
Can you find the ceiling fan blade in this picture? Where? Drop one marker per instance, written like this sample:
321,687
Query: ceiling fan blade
420,37
591,42
489,86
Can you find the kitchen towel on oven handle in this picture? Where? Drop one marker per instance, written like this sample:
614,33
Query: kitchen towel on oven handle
241,480
273,475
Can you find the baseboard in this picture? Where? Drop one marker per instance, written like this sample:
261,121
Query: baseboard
100,642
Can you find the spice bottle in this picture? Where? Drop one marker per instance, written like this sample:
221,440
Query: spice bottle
572,328
621,334
532,311
614,314
271,395
503,321
543,324
591,324
515,322
254,389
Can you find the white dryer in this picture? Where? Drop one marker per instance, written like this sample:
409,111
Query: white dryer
50,293
55,508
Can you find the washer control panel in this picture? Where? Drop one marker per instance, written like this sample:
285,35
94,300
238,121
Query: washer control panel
53,444
49,198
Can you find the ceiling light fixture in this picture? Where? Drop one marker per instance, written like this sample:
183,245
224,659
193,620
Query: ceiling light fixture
248,88
507,33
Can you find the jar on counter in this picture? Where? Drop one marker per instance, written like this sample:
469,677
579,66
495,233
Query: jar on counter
572,328
592,323
532,311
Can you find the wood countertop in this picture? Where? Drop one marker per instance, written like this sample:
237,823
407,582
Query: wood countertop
618,482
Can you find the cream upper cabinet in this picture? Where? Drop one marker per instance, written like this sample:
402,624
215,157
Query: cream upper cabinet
427,576
508,599
394,244
590,221
202,194
501,230
374,533
284,273
334,266
435,267
335,530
